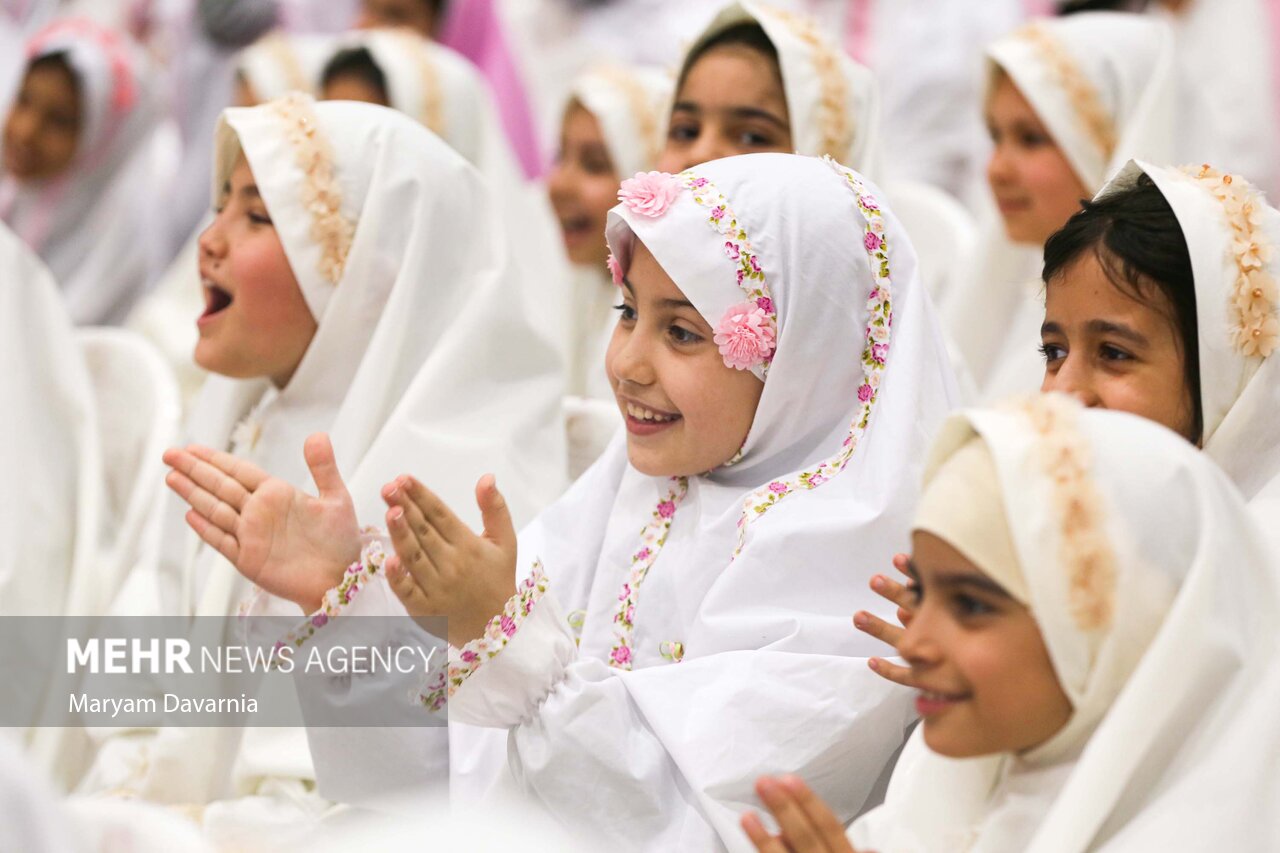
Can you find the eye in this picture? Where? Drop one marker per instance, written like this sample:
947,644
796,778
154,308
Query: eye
1052,352
966,605
681,335
685,131
1033,140
259,218
1107,352
751,139
626,314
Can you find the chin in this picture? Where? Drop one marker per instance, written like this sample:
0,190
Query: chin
952,747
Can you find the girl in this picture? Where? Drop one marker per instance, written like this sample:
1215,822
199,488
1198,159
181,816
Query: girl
613,127
760,79
355,282
1069,102
85,164
680,622
1076,690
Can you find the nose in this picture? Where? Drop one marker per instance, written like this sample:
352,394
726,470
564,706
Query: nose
213,242
629,361
1074,377
22,126
917,645
1000,170
560,183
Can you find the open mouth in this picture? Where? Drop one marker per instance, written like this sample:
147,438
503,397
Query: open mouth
576,227
216,300
646,415
929,702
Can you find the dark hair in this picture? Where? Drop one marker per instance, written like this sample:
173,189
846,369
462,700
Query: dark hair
1070,7
58,60
747,34
356,62
1137,240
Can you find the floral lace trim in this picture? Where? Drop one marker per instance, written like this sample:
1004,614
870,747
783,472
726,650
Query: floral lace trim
671,650
321,195
464,662
1083,546
1082,94
652,538
284,55
875,354
1255,329
738,248
372,556
837,129
641,107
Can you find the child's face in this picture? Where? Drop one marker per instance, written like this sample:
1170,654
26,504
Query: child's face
1111,351
43,127
583,186
1035,187
731,102
418,15
686,411
256,322
986,682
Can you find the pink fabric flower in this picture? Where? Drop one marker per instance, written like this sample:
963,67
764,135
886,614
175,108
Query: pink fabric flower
666,509
699,182
879,352
732,250
615,269
320,620
643,554
649,193
765,304
865,392
621,655
745,336
717,212
468,655
778,487
872,241
508,625
870,203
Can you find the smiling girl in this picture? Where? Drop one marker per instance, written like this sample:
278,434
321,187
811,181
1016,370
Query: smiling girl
1076,690
1069,102
681,619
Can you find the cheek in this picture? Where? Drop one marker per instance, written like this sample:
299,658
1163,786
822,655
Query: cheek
267,291
600,194
1056,189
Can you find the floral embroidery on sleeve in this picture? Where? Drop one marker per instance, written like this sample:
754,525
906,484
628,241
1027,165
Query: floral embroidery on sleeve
372,556
464,662
652,538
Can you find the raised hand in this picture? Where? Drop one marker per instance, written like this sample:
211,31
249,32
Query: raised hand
441,567
868,623
807,824
289,543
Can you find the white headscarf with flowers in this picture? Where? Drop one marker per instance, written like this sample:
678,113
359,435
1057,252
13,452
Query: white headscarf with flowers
734,588
1159,605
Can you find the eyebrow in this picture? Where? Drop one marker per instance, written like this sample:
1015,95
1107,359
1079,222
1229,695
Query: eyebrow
666,303
1102,327
736,112
250,190
948,578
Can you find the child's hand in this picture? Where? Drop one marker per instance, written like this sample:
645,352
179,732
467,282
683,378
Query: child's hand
868,623
289,543
807,823
442,568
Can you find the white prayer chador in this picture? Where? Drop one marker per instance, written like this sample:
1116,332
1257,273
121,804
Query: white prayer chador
1103,86
91,223
831,100
1159,605
423,361
694,632
53,492
1237,269
279,63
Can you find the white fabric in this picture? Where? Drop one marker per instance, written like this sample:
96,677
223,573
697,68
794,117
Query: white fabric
803,78
1170,744
1229,108
91,223
1239,395
278,64
654,758
424,361
994,317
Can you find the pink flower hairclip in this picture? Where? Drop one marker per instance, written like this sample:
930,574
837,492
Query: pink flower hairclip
649,193
615,269
745,336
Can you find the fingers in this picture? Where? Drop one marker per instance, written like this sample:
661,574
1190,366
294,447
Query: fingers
206,477
224,543
760,837
798,830
902,563
824,821
498,527
435,511
893,591
890,671
247,474
318,451
409,549
204,504
406,588
428,537
869,623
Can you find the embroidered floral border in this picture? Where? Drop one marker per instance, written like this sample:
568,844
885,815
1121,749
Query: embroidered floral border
321,194
875,355
372,557
1084,97
1255,328
464,662
1083,546
640,106
834,119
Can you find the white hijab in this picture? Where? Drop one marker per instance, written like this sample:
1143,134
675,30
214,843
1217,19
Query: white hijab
91,223
768,555
831,99
53,490
1239,387
280,63
1103,85
1160,609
